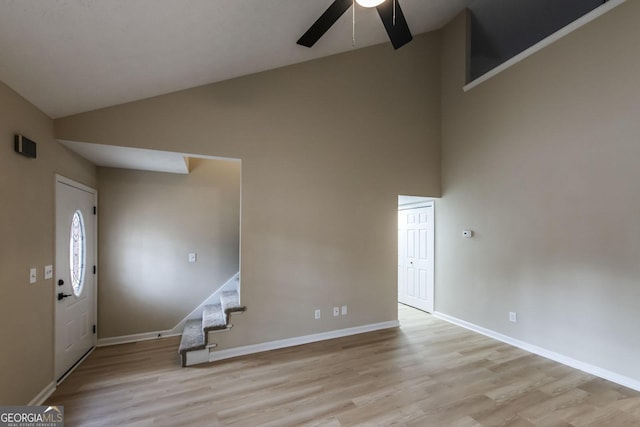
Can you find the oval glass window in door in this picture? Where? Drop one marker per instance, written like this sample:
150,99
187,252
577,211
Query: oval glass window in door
77,253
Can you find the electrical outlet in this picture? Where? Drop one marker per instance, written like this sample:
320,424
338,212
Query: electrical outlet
336,311
513,317
317,314
344,310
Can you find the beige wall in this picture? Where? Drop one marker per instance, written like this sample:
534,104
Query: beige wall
326,147
26,236
541,162
149,223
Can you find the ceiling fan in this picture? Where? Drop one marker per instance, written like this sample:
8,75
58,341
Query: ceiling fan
389,11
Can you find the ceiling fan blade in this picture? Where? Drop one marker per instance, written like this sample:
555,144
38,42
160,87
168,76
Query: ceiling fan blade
326,20
399,34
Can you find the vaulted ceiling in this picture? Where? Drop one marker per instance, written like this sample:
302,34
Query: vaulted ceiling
71,56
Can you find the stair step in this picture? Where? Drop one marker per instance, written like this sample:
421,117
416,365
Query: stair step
230,302
192,338
213,318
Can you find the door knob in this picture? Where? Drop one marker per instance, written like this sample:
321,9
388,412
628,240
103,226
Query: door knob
62,296
60,282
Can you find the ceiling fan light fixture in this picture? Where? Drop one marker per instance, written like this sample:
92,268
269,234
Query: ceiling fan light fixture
370,3
390,13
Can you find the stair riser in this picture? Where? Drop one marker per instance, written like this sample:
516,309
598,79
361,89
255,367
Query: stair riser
215,319
197,357
211,336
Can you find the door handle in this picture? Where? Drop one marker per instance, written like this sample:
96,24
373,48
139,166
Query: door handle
60,282
62,296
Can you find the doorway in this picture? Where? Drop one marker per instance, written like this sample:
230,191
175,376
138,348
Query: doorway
416,252
75,296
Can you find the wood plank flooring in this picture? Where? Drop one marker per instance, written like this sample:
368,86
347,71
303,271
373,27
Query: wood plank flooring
426,373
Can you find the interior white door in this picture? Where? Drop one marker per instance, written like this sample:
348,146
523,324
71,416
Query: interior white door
75,293
416,257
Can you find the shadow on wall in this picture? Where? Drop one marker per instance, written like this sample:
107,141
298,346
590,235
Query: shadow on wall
501,29
149,224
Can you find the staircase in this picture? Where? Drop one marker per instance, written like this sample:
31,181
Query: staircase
194,346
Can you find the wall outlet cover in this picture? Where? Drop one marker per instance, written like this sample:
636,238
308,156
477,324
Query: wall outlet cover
48,272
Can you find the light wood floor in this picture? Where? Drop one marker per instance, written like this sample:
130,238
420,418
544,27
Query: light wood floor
426,373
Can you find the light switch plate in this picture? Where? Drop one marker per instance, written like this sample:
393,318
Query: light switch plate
33,275
48,272
193,257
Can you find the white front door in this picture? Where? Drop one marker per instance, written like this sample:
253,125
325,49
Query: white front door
415,257
75,284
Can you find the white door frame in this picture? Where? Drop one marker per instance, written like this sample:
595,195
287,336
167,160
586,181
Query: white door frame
64,180
431,232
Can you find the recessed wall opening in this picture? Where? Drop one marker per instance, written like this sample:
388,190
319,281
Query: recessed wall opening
503,32
162,234
169,227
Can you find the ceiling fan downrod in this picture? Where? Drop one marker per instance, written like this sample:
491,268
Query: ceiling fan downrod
391,15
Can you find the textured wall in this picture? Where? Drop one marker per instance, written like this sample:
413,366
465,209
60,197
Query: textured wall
541,161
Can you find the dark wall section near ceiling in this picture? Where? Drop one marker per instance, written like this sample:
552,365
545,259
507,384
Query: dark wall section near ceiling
501,29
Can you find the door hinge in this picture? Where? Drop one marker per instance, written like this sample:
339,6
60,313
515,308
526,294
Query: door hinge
94,269
94,329
95,210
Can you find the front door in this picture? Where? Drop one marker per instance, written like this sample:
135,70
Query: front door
75,287
415,257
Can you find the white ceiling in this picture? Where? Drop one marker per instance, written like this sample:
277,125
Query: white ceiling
71,56
131,158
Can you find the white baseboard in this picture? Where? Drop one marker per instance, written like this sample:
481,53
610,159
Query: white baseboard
43,395
306,339
565,360
51,387
104,342
197,356
176,330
